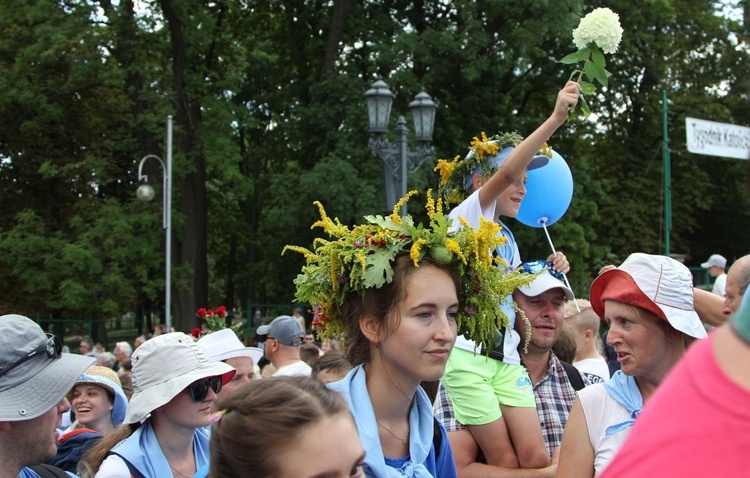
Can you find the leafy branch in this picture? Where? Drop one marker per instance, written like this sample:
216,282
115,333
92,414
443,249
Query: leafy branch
594,70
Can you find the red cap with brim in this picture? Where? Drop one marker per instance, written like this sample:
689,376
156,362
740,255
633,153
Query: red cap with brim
655,283
619,285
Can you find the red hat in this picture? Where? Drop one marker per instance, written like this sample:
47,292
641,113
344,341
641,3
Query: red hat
658,284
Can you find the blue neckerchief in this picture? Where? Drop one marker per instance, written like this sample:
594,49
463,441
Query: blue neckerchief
142,450
354,388
507,251
625,391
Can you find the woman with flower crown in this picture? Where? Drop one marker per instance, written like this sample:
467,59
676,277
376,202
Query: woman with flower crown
400,293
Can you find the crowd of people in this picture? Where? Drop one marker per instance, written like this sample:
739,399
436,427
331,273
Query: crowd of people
435,351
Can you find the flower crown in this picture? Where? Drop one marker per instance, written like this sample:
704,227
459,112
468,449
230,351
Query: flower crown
361,258
216,319
454,174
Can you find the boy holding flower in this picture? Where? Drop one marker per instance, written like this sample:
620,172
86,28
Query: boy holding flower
494,396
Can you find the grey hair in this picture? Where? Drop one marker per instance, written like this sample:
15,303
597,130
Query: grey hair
125,347
106,359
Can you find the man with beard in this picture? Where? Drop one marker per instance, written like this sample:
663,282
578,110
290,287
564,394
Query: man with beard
35,376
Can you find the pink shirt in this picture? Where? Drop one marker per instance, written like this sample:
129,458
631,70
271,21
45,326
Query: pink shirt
697,424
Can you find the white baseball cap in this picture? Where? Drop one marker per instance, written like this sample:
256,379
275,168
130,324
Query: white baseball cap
224,344
544,281
716,260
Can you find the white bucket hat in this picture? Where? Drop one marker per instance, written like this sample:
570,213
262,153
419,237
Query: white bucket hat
658,284
163,367
33,377
224,344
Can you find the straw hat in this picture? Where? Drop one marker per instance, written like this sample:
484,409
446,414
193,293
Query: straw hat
107,378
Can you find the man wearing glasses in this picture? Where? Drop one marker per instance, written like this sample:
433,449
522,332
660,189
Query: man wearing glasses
284,335
35,377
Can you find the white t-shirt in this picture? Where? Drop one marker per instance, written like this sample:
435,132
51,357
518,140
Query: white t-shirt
720,285
296,368
113,467
595,370
603,411
301,321
471,210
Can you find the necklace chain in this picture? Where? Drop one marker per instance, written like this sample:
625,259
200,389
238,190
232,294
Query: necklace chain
401,439
178,471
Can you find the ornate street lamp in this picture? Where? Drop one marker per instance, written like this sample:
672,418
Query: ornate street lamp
398,160
146,193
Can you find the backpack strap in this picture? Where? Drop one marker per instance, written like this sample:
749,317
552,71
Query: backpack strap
49,471
134,473
574,376
437,437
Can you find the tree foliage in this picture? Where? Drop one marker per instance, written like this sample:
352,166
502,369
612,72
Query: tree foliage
269,116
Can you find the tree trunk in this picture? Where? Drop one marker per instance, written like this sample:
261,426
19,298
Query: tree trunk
340,11
190,248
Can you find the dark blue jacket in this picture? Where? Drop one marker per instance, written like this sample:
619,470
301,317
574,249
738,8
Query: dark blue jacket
72,446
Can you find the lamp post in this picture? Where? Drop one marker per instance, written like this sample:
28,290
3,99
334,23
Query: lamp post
398,160
146,193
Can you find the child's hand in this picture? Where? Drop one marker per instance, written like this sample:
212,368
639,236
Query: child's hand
559,262
567,99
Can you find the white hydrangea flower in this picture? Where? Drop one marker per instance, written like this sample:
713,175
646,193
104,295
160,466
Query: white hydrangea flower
602,26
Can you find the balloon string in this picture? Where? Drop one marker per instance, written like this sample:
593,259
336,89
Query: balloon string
554,252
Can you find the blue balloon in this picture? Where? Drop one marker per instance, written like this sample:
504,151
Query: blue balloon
549,192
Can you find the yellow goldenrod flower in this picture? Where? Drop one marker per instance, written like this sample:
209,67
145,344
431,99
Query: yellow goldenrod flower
394,215
430,205
455,248
546,150
454,196
446,168
415,250
307,254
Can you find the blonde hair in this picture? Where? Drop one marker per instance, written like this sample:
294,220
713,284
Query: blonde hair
587,320
570,307
89,464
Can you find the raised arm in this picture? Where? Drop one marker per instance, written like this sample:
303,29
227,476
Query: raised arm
514,166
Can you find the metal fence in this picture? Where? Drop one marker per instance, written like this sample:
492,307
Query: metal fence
128,327
701,278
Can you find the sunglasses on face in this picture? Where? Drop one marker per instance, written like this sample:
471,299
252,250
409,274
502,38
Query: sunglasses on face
199,388
532,267
52,347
